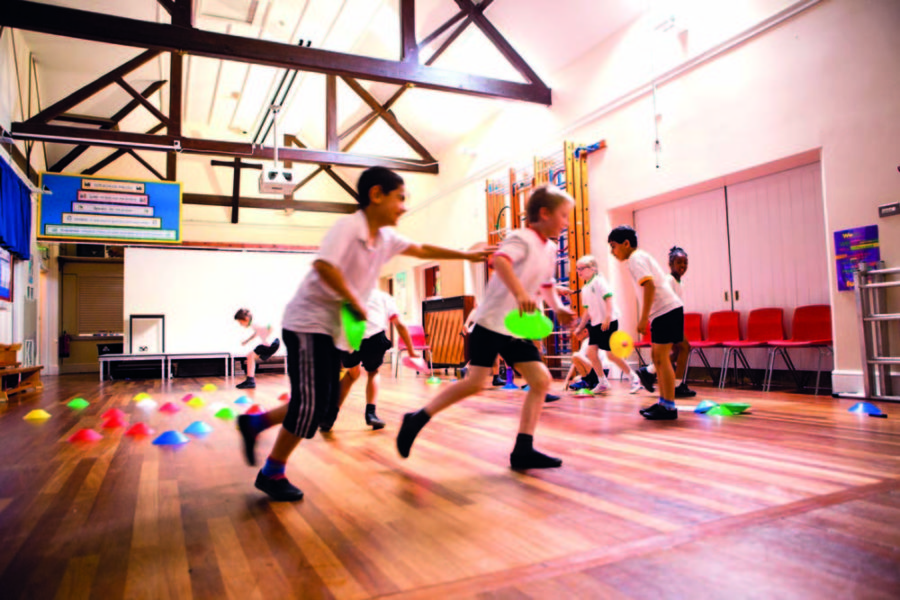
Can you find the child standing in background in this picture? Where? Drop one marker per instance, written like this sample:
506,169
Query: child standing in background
263,350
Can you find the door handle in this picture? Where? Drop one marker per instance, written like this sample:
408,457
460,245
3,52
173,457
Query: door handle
737,295
726,296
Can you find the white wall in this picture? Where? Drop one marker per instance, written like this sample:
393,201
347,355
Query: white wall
199,291
823,81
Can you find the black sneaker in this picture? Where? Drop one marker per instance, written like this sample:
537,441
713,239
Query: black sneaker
683,391
248,384
498,381
248,433
579,385
551,398
658,412
647,378
279,489
520,461
374,422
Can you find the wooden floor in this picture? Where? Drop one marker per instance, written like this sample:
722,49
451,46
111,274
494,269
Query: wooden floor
799,499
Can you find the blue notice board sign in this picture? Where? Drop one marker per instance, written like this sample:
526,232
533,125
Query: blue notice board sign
854,246
109,209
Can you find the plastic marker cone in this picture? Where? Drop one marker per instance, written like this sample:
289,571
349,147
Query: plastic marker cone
113,412
85,435
719,411
170,438
187,398
256,409
509,381
866,408
78,403
243,400
114,423
736,407
170,408
139,430
621,344
141,396
285,397
196,402
198,428
530,326
147,404
225,413
704,406
584,392
37,415
354,327
209,387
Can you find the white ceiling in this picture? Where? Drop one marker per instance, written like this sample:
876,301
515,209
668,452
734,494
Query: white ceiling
224,99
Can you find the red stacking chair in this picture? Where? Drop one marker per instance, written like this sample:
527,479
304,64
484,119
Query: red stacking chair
810,328
420,344
693,332
644,342
724,326
764,325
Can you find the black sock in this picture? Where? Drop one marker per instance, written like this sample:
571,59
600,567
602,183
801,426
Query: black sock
409,429
370,409
591,379
524,443
251,378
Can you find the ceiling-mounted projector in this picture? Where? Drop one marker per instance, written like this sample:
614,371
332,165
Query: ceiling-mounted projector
276,180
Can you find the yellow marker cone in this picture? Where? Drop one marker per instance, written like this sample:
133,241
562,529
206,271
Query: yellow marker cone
209,387
37,415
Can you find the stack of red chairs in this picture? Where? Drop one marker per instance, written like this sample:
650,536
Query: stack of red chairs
764,325
724,326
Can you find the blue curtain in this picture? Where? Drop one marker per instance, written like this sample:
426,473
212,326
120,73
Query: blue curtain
15,213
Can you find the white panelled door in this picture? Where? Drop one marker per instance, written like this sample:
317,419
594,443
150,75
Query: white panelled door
697,224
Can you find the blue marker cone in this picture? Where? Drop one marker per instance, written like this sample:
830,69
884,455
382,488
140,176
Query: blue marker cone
243,400
705,406
509,380
866,408
198,428
170,438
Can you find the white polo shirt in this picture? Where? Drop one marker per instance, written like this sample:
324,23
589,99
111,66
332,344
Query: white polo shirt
533,259
315,307
593,297
676,287
381,310
260,331
642,267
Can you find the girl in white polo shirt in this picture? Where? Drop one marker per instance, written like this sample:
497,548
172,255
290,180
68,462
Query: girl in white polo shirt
345,271
523,265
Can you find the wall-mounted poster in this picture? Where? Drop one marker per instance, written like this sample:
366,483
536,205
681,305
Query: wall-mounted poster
852,247
109,209
6,275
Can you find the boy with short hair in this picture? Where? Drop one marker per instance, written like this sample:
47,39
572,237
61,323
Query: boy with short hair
345,271
661,310
263,350
382,314
524,264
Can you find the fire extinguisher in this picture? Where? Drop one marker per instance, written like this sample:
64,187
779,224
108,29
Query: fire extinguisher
65,340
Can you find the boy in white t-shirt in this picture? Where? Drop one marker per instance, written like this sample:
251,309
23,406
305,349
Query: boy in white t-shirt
524,264
661,310
345,271
263,350
382,314
601,318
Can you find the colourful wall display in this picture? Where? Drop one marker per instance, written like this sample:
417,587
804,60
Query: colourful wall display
852,247
109,209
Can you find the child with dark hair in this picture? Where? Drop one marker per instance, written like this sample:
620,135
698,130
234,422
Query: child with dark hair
661,310
523,265
345,272
263,351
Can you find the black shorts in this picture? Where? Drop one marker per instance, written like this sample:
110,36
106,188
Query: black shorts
598,337
265,352
668,328
485,345
370,353
314,367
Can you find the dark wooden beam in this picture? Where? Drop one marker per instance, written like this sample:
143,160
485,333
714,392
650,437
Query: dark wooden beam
116,155
238,166
169,5
56,20
146,165
106,122
75,98
389,118
113,124
176,89
293,140
476,13
212,147
437,32
331,137
304,205
143,101
409,49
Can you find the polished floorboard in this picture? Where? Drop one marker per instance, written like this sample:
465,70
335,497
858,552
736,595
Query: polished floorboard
796,499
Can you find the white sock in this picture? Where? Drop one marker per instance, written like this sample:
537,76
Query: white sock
651,368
